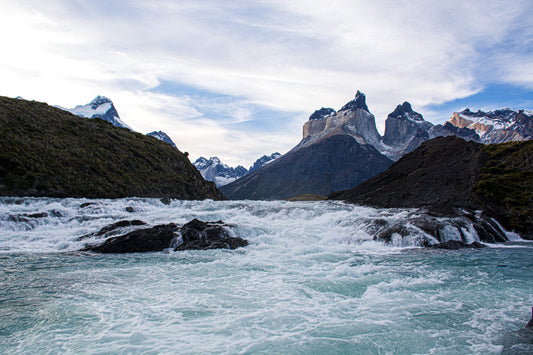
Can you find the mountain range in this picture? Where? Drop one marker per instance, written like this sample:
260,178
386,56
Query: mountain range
340,149
213,169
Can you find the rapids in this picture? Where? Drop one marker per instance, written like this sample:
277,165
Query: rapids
312,281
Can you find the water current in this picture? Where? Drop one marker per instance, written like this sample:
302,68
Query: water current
311,281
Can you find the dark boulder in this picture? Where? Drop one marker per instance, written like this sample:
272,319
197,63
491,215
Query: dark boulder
196,235
530,323
208,235
142,240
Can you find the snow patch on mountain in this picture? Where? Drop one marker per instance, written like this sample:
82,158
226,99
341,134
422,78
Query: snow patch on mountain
162,136
496,126
100,107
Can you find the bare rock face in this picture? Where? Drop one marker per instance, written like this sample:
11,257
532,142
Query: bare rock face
403,124
353,119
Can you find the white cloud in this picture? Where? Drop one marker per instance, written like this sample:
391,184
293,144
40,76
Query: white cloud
293,56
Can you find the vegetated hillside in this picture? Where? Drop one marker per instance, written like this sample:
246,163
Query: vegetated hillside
446,173
45,151
331,164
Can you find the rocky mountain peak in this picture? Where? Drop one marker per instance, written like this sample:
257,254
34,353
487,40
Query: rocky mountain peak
162,136
405,112
358,103
98,101
322,113
101,107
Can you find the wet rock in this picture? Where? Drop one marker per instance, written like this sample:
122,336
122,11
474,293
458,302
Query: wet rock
156,238
423,228
166,201
196,235
86,204
130,209
114,227
457,244
208,235
17,218
530,323
37,215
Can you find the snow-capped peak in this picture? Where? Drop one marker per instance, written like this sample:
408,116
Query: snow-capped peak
99,100
101,107
162,136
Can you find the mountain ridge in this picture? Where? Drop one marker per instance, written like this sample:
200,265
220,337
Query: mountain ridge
46,151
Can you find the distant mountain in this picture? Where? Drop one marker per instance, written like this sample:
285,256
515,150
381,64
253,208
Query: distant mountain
406,129
496,126
100,107
213,169
265,159
162,136
337,151
45,151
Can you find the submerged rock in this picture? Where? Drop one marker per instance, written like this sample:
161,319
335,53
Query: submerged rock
457,244
208,235
530,323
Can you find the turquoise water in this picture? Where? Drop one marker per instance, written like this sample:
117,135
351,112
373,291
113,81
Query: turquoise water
312,281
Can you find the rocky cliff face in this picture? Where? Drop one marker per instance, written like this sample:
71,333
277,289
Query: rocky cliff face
353,119
46,151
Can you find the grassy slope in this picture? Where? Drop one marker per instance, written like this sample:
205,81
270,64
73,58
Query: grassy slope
45,151
505,184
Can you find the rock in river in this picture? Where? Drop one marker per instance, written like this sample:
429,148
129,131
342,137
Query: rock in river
195,235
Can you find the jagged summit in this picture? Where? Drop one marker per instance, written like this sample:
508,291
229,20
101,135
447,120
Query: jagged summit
405,112
405,129
99,100
213,169
101,107
162,136
358,103
265,159
322,113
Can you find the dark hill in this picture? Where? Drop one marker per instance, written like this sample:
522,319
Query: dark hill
447,173
45,151
337,162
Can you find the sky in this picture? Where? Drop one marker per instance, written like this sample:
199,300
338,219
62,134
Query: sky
238,79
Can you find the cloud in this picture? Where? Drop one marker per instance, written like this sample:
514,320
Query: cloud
249,57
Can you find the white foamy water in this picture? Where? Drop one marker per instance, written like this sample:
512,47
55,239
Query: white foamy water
312,281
